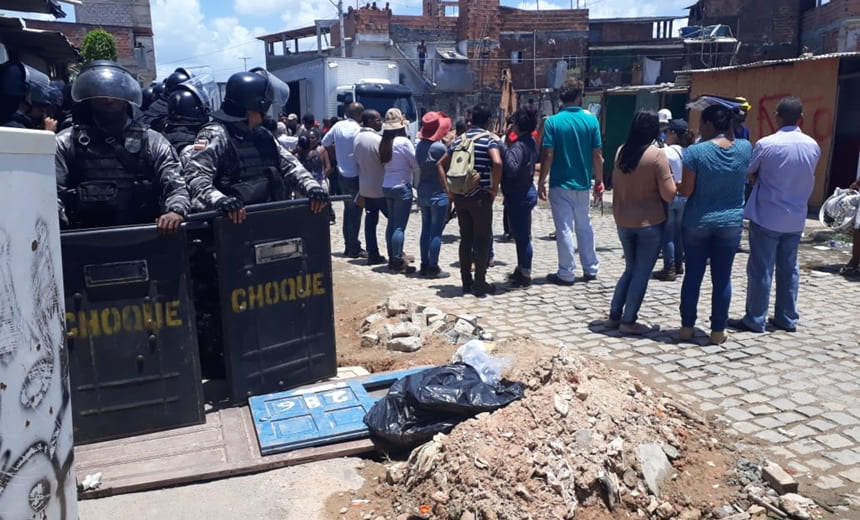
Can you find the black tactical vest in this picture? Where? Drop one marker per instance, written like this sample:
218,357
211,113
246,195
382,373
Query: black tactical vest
256,177
180,136
112,178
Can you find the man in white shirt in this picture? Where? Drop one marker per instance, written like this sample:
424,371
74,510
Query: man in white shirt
341,137
783,172
370,175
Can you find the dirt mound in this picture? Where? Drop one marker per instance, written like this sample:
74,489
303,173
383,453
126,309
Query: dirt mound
586,442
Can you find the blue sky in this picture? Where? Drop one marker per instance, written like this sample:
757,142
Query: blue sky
218,33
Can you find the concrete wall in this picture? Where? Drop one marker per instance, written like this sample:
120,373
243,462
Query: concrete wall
832,27
765,86
768,29
133,52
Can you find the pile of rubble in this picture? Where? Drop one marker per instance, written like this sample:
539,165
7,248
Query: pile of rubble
586,442
405,326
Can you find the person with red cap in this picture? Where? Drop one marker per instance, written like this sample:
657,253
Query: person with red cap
432,198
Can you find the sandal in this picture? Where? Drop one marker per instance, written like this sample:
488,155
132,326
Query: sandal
849,270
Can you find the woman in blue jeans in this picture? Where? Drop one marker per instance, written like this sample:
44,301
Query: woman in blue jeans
397,155
678,138
642,185
713,181
518,187
432,198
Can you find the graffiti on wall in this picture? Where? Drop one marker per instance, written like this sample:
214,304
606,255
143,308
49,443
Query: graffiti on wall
36,446
817,116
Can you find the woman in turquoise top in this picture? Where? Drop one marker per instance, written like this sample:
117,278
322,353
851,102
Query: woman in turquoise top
713,179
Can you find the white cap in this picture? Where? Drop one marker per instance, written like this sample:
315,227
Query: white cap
664,115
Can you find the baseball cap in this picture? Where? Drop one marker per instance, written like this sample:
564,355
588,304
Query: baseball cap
664,115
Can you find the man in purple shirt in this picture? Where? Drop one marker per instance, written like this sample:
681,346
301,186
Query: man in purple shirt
783,172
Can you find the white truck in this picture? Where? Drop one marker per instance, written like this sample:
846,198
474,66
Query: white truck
324,86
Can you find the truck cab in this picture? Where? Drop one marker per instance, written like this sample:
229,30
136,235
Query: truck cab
380,95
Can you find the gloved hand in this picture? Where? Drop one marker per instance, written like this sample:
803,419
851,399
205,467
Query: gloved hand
318,193
318,198
232,207
229,205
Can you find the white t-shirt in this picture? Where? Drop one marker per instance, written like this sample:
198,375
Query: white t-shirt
403,166
342,136
675,154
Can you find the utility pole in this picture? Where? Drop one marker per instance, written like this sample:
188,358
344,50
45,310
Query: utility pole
245,61
342,29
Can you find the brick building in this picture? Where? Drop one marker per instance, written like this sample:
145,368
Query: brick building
832,27
633,51
130,23
766,29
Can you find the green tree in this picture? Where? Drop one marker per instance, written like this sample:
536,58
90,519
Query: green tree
98,45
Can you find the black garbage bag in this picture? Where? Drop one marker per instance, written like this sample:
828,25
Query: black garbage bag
433,401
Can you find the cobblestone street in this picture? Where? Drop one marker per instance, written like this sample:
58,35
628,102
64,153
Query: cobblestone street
795,394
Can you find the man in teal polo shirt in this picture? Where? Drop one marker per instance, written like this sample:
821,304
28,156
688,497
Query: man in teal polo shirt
570,156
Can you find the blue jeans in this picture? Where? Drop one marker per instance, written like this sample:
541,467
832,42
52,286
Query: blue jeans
719,245
570,215
434,211
399,201
351,214
768,249
640,246
519,210
673,245
372,209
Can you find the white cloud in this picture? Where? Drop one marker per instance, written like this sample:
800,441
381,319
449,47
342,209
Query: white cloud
258,7
184,37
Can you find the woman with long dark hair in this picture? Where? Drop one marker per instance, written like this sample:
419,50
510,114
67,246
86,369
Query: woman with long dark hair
678,138
643,184
713,181
397,155
314,158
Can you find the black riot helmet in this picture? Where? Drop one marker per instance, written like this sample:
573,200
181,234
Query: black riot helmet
254,90
180,75
159,91
184,102
18,81
148,95
106,79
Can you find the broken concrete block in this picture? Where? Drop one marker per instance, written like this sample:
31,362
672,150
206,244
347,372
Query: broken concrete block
402,330
464,327
413,307
394,307
433,311
779,480
671,452
370,320
471,318
419,319
410,344
655,465
465,338
452,335
369,340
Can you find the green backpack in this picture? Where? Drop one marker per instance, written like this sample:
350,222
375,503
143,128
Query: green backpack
461,177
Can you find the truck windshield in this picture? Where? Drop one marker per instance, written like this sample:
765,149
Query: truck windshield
382,103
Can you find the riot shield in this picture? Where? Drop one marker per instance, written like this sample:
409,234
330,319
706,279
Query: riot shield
131,333
275,286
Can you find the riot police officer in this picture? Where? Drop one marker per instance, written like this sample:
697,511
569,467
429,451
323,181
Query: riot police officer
25,94
156,114
237,161
188,108
111,170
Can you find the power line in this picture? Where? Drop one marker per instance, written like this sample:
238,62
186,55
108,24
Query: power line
218,51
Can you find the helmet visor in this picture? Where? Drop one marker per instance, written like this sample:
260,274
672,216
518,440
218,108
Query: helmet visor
110,82
203,86
40,86
277,92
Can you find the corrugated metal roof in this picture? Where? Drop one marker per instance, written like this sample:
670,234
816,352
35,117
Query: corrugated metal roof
37,6
51,45
662,87
772,63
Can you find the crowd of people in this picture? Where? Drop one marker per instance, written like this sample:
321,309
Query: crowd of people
128,155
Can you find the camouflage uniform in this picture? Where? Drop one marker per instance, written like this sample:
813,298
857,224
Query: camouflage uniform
133,180
216,167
